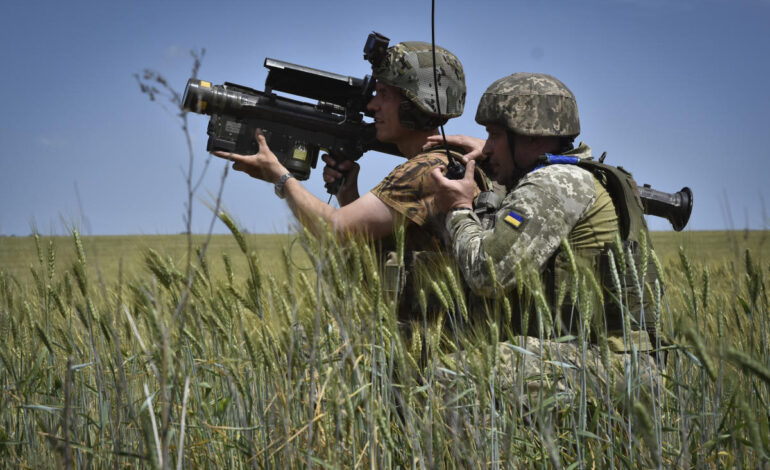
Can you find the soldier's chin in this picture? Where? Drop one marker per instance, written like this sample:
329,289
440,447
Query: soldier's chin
383,137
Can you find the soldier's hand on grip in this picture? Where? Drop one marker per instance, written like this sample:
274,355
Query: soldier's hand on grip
342,176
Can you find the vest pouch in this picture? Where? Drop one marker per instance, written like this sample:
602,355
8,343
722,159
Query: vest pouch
629,301
404,279
559,283
394,276
422,268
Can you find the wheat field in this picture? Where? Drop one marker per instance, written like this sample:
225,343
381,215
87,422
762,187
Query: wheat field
285,351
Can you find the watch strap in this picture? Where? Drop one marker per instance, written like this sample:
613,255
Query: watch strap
279,185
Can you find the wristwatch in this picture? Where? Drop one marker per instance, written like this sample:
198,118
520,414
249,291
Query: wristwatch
280,184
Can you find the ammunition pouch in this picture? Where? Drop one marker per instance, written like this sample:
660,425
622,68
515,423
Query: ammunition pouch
629,300
636,295
394,275
403,280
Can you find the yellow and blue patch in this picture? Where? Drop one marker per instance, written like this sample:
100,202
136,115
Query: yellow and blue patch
514,220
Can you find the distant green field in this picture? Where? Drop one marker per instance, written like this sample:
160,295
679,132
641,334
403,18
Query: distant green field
712,246
106,253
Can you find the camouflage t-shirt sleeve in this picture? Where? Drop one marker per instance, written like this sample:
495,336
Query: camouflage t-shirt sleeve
530,224
408,189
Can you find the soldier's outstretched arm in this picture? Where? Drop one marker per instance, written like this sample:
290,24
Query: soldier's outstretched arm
366,215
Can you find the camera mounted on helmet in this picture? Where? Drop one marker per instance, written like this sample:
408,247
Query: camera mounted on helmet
375,47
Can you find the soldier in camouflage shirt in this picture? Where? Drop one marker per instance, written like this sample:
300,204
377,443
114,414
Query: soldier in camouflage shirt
406,112
527,117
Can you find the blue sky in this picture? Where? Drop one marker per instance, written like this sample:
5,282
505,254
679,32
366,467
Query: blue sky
675,91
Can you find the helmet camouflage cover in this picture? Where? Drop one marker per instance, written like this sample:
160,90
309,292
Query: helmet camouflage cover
530,104
409,67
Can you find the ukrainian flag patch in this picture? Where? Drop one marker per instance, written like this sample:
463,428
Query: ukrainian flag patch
514,220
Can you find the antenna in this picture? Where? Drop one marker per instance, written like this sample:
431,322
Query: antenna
456,170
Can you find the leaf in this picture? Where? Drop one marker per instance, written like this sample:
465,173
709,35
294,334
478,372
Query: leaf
745,305
563,365
520,349
49,409
589,435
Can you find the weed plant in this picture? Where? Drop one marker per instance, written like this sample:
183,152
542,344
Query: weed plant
176,368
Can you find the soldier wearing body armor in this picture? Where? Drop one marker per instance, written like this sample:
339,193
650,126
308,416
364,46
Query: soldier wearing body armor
557,195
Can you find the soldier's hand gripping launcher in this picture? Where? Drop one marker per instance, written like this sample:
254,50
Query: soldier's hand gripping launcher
295,130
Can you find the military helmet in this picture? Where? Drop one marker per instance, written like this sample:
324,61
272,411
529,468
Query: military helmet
408,66
530,104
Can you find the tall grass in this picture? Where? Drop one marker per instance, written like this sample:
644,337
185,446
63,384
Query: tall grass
314,369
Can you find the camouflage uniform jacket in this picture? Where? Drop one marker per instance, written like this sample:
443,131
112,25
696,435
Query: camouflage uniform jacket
408,190
547,205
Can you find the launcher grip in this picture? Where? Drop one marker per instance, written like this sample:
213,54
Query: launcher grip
334,187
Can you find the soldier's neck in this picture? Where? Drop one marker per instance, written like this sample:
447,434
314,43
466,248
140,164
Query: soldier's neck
411,144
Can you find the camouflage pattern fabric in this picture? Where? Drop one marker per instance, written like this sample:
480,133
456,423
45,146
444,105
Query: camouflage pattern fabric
409,191
535,369
409,188
530,104
409,67
533,219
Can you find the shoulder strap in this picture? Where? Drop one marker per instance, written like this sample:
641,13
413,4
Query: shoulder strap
621,186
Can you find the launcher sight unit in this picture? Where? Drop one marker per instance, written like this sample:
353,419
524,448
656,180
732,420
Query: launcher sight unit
296,130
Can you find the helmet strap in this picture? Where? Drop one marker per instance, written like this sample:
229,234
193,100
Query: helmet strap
518,170
566,144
